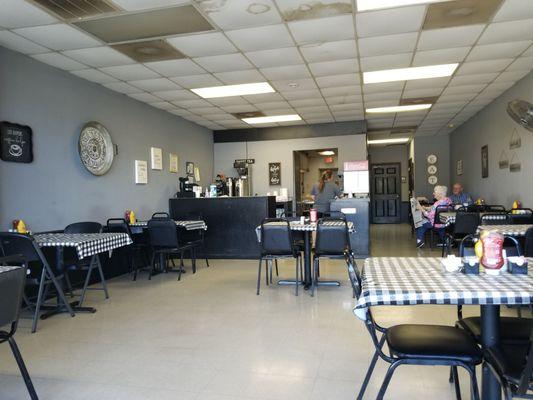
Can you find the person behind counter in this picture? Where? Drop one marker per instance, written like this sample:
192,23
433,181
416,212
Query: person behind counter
325,191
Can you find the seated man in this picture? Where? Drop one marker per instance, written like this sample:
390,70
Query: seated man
439,194
459,196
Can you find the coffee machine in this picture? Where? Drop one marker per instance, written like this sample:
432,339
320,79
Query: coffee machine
186,187
243,184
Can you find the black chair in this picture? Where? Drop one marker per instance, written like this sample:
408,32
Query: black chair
161,214
494,218
466,223
165,243
138,247
436,221
412,344
512,364
521,216
12,283
40,274
277,242
196,237
528,243
332,241
88,265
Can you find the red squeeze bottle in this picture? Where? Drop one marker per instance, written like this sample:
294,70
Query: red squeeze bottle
492,251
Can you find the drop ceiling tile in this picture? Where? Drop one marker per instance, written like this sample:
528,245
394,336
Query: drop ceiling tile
19,14
346,99
174,68
134,5
263,97
425,92
329,51
528,52
485,66
196,81
347,107
261,38
473,78
204,44
20,44
286,72
94,75
511,76
163,105
175,95
287,85
235,125
222,118
380,103
279,111
237,77
338,80
389,96
514,9
386,45
145,97
383,87
457,97
59,61
474,88
389,21
314,102
99,56
508,31
498,50
205,111
341,91
155,85
322,29
240,108
228,101
427,83
349,118
459,36
271,105
377,63
122,87
275,57
181,112
301,94
309,110
319,120
130,72
334,67
502,86
237,14
441,56
58,37
224,63
521,63
291,123
192,103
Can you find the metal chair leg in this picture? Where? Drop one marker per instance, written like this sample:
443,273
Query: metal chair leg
277,272
69,284
39,302
387,379
271,269
314,276
259,275
102,277
86,284
370,369
179,271
297,268
152,267
267,264
474,390
22,368
455,377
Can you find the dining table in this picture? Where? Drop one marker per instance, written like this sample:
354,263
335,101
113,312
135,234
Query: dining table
508,230
189,225
448,217
307,228
407,281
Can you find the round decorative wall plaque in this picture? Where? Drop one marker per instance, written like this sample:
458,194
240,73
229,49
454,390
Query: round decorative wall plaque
432,159
432,169
432,180
95,148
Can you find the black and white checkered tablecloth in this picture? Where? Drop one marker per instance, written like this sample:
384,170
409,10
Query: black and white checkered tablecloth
188,225
448,217
398,281
306,227
7,268
509,230
86,244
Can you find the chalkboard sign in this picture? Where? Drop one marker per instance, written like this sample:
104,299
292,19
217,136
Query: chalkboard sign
15,143
274,173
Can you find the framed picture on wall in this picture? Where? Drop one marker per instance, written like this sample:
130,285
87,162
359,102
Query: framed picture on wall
485,161
459,167
274,174
189,168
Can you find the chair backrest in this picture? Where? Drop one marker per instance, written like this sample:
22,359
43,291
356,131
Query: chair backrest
467,251
84,227
163,233
528,247
276,237
332,237
521,216
12,244
160,214
118,225
466,223
439,209
526,378
354,275
512,246
12,283
494,218
494,208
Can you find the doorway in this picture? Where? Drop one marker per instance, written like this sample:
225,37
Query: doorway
385,187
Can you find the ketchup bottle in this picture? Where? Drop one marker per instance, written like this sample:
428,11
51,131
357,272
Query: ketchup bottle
492,258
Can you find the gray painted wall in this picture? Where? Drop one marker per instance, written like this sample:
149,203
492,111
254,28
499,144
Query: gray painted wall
55,189
493,127
351,147
423,146
392,154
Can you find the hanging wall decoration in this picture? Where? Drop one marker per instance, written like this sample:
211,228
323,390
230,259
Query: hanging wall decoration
156,157
515,142
141,172
459,167
15,142
504,160
515,165
96,148
485,161
189,168
173,163
274,174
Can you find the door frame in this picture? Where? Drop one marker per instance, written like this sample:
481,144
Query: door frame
371,167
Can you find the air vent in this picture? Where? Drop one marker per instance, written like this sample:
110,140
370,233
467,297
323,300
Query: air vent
147,24
149,50
418,100
249,114
75,9
459,13
408,130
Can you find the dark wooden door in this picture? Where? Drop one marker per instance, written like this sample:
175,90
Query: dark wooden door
385,189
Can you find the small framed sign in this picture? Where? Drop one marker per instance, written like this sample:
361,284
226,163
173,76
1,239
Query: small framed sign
15,143
485,161
157,158
189,168
274,174
173,162
141,172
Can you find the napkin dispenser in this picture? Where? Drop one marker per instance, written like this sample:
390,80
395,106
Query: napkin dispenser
517,265
471,266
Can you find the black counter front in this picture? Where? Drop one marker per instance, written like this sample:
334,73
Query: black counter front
358,212
231,222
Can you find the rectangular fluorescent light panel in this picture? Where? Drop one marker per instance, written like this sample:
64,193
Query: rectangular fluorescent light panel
397,109
408,74
234,90
366,5
388,141
272,118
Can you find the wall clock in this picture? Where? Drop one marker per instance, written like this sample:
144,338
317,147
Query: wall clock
432,180
95,148
432,159
432,169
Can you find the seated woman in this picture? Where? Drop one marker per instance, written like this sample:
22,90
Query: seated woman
429,213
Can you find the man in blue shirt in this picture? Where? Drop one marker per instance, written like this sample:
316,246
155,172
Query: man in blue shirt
459,196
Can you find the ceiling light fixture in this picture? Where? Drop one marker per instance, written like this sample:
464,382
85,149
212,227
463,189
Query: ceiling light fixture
397,109
272,118
327,153
233,90
366,5
388,141
408,74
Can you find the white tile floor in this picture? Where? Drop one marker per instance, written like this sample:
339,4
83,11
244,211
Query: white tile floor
210,337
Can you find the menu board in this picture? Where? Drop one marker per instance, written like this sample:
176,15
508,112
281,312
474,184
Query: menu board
15,143
274,174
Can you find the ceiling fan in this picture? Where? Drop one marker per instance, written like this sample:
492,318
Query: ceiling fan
522,113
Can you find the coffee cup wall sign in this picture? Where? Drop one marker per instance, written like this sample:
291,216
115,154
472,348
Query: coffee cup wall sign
96,148
15,142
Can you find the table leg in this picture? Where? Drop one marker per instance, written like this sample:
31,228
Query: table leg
490,336
307,264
